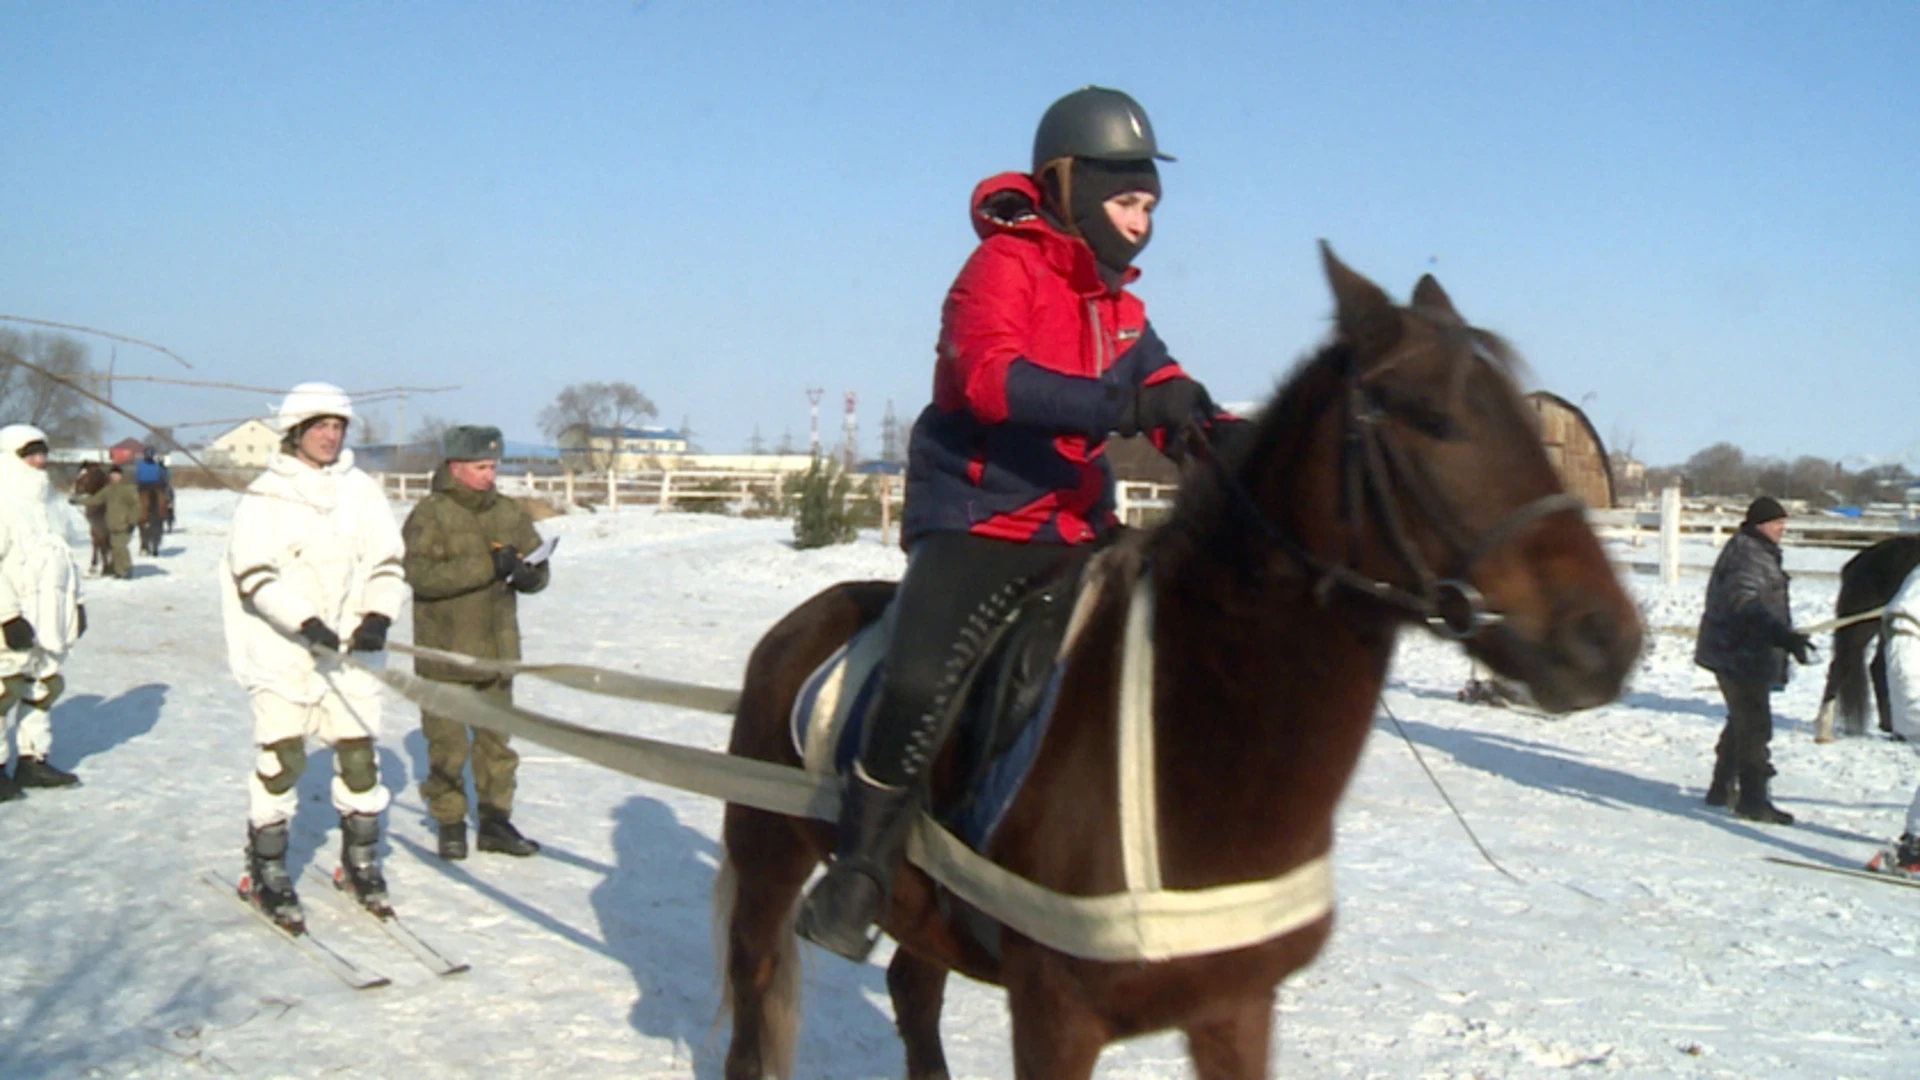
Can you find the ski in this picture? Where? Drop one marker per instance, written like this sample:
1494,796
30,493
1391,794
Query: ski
1867,875
304,942
416,946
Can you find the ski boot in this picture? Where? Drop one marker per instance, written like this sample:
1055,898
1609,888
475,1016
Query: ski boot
497,834
266,884
359,871
1901,860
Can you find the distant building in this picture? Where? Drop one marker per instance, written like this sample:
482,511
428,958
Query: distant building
126,451
248,446
626,449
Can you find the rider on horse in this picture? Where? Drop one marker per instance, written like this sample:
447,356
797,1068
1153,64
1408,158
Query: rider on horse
1043,352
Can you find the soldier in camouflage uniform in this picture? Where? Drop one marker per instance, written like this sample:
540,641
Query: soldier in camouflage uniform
123,516
465,547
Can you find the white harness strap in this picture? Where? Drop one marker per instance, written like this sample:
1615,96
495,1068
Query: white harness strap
1139,788
1144,923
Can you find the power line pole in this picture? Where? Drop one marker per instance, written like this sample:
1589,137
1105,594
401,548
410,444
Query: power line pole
813,405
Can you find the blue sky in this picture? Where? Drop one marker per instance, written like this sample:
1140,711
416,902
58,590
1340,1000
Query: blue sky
1702,219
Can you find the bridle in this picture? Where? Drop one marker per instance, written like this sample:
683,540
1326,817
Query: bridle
1374,471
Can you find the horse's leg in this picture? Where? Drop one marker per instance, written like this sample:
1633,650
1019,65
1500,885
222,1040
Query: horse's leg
768,858
1055,1036
918,988
1233,1046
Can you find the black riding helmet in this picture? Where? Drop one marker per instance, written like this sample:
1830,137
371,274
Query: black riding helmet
1091,145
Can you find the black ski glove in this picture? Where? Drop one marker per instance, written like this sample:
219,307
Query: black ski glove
371,634
506,560
320,635
1800,646
1163,405
19,633
80,626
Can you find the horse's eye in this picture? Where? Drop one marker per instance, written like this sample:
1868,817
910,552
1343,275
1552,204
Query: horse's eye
1418,413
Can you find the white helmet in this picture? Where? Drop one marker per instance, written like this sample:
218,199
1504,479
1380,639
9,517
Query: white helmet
17,437
310,400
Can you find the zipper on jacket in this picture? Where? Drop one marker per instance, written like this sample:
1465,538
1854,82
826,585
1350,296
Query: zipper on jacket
1099,338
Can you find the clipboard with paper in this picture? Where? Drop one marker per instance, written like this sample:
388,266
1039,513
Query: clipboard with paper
542,553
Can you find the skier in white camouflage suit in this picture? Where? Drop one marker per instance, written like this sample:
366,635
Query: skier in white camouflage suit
40,612
314,554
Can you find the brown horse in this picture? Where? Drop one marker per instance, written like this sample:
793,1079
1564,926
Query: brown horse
91,479
1281,581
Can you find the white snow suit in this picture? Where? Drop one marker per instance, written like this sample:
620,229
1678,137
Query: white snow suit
1902,624
308,543
39,582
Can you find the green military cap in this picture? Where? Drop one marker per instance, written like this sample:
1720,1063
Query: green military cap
471,442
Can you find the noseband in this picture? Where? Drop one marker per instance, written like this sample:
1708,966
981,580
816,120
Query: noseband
1374,470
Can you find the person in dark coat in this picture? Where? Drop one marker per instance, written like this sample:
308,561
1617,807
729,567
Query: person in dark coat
1746,635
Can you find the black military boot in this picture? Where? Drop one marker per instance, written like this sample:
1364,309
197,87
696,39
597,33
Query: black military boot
37,772
453,840
1753,803
9,791
497,834
360,862
839,912
267,883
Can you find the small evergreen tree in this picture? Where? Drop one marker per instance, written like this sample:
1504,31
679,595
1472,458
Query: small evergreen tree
821,516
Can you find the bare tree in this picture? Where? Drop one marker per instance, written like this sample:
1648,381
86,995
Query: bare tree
1720,469
55,407
431,429
582,408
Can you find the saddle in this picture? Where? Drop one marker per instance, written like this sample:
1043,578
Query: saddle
1004,708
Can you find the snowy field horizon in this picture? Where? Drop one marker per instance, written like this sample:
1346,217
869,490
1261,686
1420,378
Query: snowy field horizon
1641,935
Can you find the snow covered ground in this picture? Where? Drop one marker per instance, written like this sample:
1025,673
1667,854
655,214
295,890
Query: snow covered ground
1644,937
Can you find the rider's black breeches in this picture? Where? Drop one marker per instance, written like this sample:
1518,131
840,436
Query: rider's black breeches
949,577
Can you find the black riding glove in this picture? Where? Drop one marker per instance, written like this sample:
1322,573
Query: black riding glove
320,635
1800,646
19,633
371,634
1163,405
80,626
506,560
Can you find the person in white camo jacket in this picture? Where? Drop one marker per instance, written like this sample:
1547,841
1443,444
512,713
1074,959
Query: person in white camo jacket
312,570
40,612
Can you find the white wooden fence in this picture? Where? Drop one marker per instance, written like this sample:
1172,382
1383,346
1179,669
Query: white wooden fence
663,489
1663,527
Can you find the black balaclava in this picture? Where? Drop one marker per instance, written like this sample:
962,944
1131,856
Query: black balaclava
1090,184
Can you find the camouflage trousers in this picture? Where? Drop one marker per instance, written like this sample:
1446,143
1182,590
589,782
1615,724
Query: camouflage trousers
450,745
121,564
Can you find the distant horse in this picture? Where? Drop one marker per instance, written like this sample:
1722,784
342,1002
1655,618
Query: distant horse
91,479
1867,581
156,509
1396,477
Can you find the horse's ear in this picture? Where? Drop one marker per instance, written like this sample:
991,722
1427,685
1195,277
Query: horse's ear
1429,294
1365,315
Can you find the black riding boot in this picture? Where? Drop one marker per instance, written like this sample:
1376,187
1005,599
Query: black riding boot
838,914
1754,804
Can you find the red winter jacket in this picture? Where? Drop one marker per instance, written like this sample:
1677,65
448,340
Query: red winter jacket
1034,357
